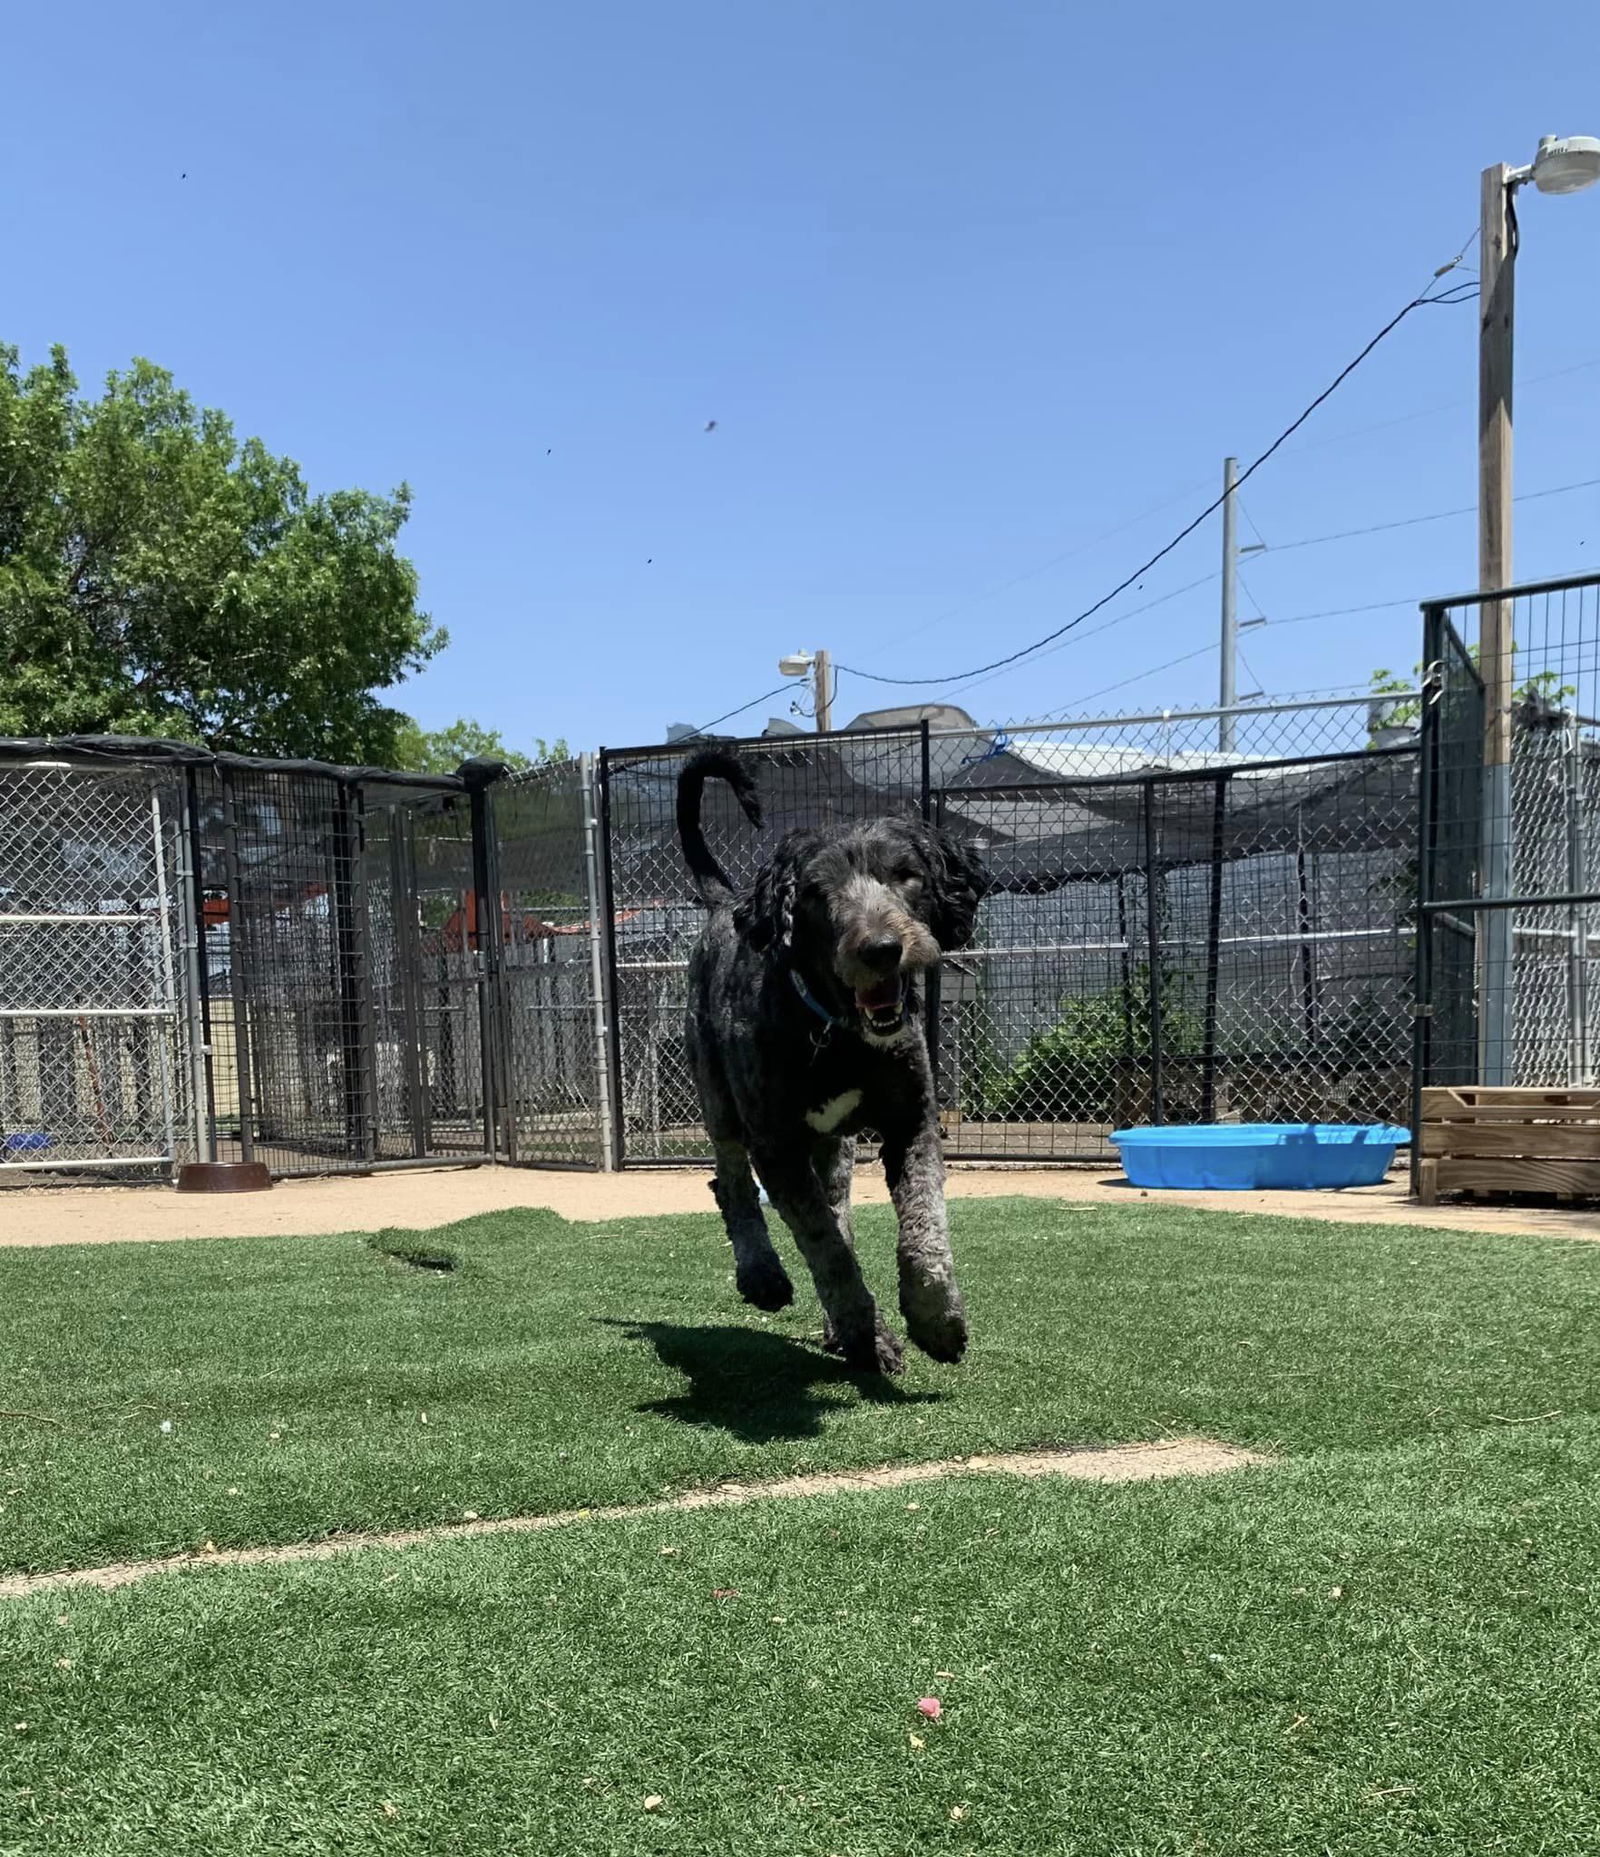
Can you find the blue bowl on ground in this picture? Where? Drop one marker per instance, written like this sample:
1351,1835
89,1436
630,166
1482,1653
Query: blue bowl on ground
1244,1156
27,1141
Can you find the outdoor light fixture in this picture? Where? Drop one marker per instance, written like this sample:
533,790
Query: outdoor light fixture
1564,164
813,664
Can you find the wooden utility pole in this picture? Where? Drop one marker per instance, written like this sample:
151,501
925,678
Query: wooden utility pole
1496,307
822,687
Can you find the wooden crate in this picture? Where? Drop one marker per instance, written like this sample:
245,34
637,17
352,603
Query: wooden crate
1484,1141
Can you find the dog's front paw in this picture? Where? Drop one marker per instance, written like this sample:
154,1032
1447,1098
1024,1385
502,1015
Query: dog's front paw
765,1285
872,1350
936,1321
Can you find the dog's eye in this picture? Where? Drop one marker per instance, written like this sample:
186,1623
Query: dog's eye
909,878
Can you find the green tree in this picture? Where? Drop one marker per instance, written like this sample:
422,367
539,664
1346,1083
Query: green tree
160,577
1544,688
441,751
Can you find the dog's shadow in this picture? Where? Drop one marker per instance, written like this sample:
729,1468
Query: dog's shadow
759,1386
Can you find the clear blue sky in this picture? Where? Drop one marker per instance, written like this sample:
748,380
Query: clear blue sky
963,286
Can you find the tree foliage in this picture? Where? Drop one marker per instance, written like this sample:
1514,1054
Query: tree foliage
160,577
441,751
1543,690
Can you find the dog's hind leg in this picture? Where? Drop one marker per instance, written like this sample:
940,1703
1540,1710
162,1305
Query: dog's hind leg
758,1270
929,1298
802,1189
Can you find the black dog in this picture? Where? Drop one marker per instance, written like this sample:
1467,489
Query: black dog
805,1029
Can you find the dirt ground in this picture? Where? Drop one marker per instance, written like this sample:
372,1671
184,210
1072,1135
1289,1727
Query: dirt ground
437,1196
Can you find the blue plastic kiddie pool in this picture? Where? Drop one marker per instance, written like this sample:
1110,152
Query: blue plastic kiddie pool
1236,1157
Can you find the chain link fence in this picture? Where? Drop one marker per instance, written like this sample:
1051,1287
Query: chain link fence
342,1024
94,939
1168,945
1158,943
1193,916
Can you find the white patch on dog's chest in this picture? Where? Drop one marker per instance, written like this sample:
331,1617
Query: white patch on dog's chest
826,1119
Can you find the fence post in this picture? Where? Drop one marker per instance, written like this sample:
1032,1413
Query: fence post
244,1082
196,980
168,1056
484,942
1208,1070
1152,910
352,941
603,1005
614,991
1122,1109
932,815
1427,756
1305,921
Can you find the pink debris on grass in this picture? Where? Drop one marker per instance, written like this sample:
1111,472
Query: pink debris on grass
929,1706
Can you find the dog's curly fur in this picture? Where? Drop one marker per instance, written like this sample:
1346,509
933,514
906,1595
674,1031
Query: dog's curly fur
804,1030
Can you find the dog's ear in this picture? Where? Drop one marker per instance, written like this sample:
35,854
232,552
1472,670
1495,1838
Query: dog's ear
957,884
765,918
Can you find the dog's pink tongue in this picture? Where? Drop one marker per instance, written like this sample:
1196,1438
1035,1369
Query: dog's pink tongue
882,997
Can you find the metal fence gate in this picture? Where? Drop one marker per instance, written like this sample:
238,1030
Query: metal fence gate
342,1013
551,1042
95,938
1509,865
427,987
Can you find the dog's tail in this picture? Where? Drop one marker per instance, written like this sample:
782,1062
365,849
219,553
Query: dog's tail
710,879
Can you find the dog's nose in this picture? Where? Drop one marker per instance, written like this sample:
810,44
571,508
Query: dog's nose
881,954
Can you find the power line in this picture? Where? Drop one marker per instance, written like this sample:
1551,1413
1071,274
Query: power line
728,715
1094,632
1443,406
1347,612
1337,438
1440,515
1154,670
1338,612
1033,573
1255,527
1184,533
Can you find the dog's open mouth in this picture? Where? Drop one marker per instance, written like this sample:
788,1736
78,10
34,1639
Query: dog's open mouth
883,1006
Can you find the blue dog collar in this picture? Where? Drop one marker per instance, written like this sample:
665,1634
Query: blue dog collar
810,999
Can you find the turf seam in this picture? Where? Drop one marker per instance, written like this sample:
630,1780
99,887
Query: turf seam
1116,1463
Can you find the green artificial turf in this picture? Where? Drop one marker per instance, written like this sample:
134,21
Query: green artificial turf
1361,1652
518,1363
